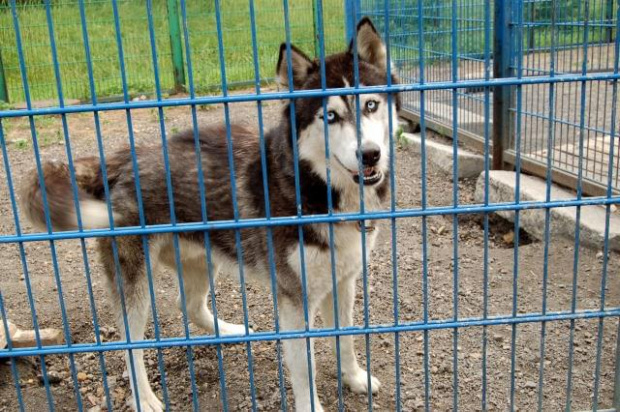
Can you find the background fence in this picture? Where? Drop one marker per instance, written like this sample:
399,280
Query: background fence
537,78
534,38
133,27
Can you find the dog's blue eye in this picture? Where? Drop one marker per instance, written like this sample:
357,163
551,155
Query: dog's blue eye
332,117
371,105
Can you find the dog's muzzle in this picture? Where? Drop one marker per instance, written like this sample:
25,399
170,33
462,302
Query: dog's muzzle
371,176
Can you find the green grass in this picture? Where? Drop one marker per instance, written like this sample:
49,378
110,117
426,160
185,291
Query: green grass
137,48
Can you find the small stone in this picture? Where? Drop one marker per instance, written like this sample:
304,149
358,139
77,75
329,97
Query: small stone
509,237
530,385
94,400
53,377
599,255
81,376
498,338
111,381
119,394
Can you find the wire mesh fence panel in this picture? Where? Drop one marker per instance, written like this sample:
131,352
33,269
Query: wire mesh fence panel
544,38
577,38
240,246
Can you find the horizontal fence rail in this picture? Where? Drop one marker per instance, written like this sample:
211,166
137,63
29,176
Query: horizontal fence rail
461,305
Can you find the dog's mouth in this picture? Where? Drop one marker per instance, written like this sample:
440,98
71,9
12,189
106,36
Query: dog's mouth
371,175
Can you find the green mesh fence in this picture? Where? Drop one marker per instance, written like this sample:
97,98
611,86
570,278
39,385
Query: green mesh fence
136,43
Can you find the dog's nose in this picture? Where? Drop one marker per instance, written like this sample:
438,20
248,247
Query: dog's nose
371,153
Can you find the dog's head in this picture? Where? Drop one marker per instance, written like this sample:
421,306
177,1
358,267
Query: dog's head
339,118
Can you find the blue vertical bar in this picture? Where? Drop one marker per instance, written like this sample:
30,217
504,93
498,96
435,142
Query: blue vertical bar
455,201
487,155
351,8
424,205
233,188
169,190
136,173
393,223
517,37
300,232
33,133
358,115
547,236
203,205
330,206
106,190
583,93
606,257
65,127
263,154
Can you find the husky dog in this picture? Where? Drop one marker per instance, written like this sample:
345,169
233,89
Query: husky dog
340,118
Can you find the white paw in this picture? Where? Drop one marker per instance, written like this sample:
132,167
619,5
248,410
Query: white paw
358,381
228,329
148,403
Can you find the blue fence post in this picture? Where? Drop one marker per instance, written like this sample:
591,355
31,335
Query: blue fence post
351,10
502,95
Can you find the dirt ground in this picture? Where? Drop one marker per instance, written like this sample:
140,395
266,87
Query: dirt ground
441,292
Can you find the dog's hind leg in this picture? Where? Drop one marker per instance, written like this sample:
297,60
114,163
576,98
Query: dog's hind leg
353,375
197,288
136,302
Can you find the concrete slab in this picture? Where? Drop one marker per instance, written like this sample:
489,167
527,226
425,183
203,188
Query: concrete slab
441,155
592,221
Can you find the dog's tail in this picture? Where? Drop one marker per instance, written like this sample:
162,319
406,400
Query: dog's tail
60,199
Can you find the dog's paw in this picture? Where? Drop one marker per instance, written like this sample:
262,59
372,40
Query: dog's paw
228,329
148,403
358,381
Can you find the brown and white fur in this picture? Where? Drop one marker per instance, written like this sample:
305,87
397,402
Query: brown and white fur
310,126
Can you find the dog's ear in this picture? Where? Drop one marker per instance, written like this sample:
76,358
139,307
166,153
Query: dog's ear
301,66
370,47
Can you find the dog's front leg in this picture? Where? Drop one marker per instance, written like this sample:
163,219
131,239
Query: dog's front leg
296,356
354,376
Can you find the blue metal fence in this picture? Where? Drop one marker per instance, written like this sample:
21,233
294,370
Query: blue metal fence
443,52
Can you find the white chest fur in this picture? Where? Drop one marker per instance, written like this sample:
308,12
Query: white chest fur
345,259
